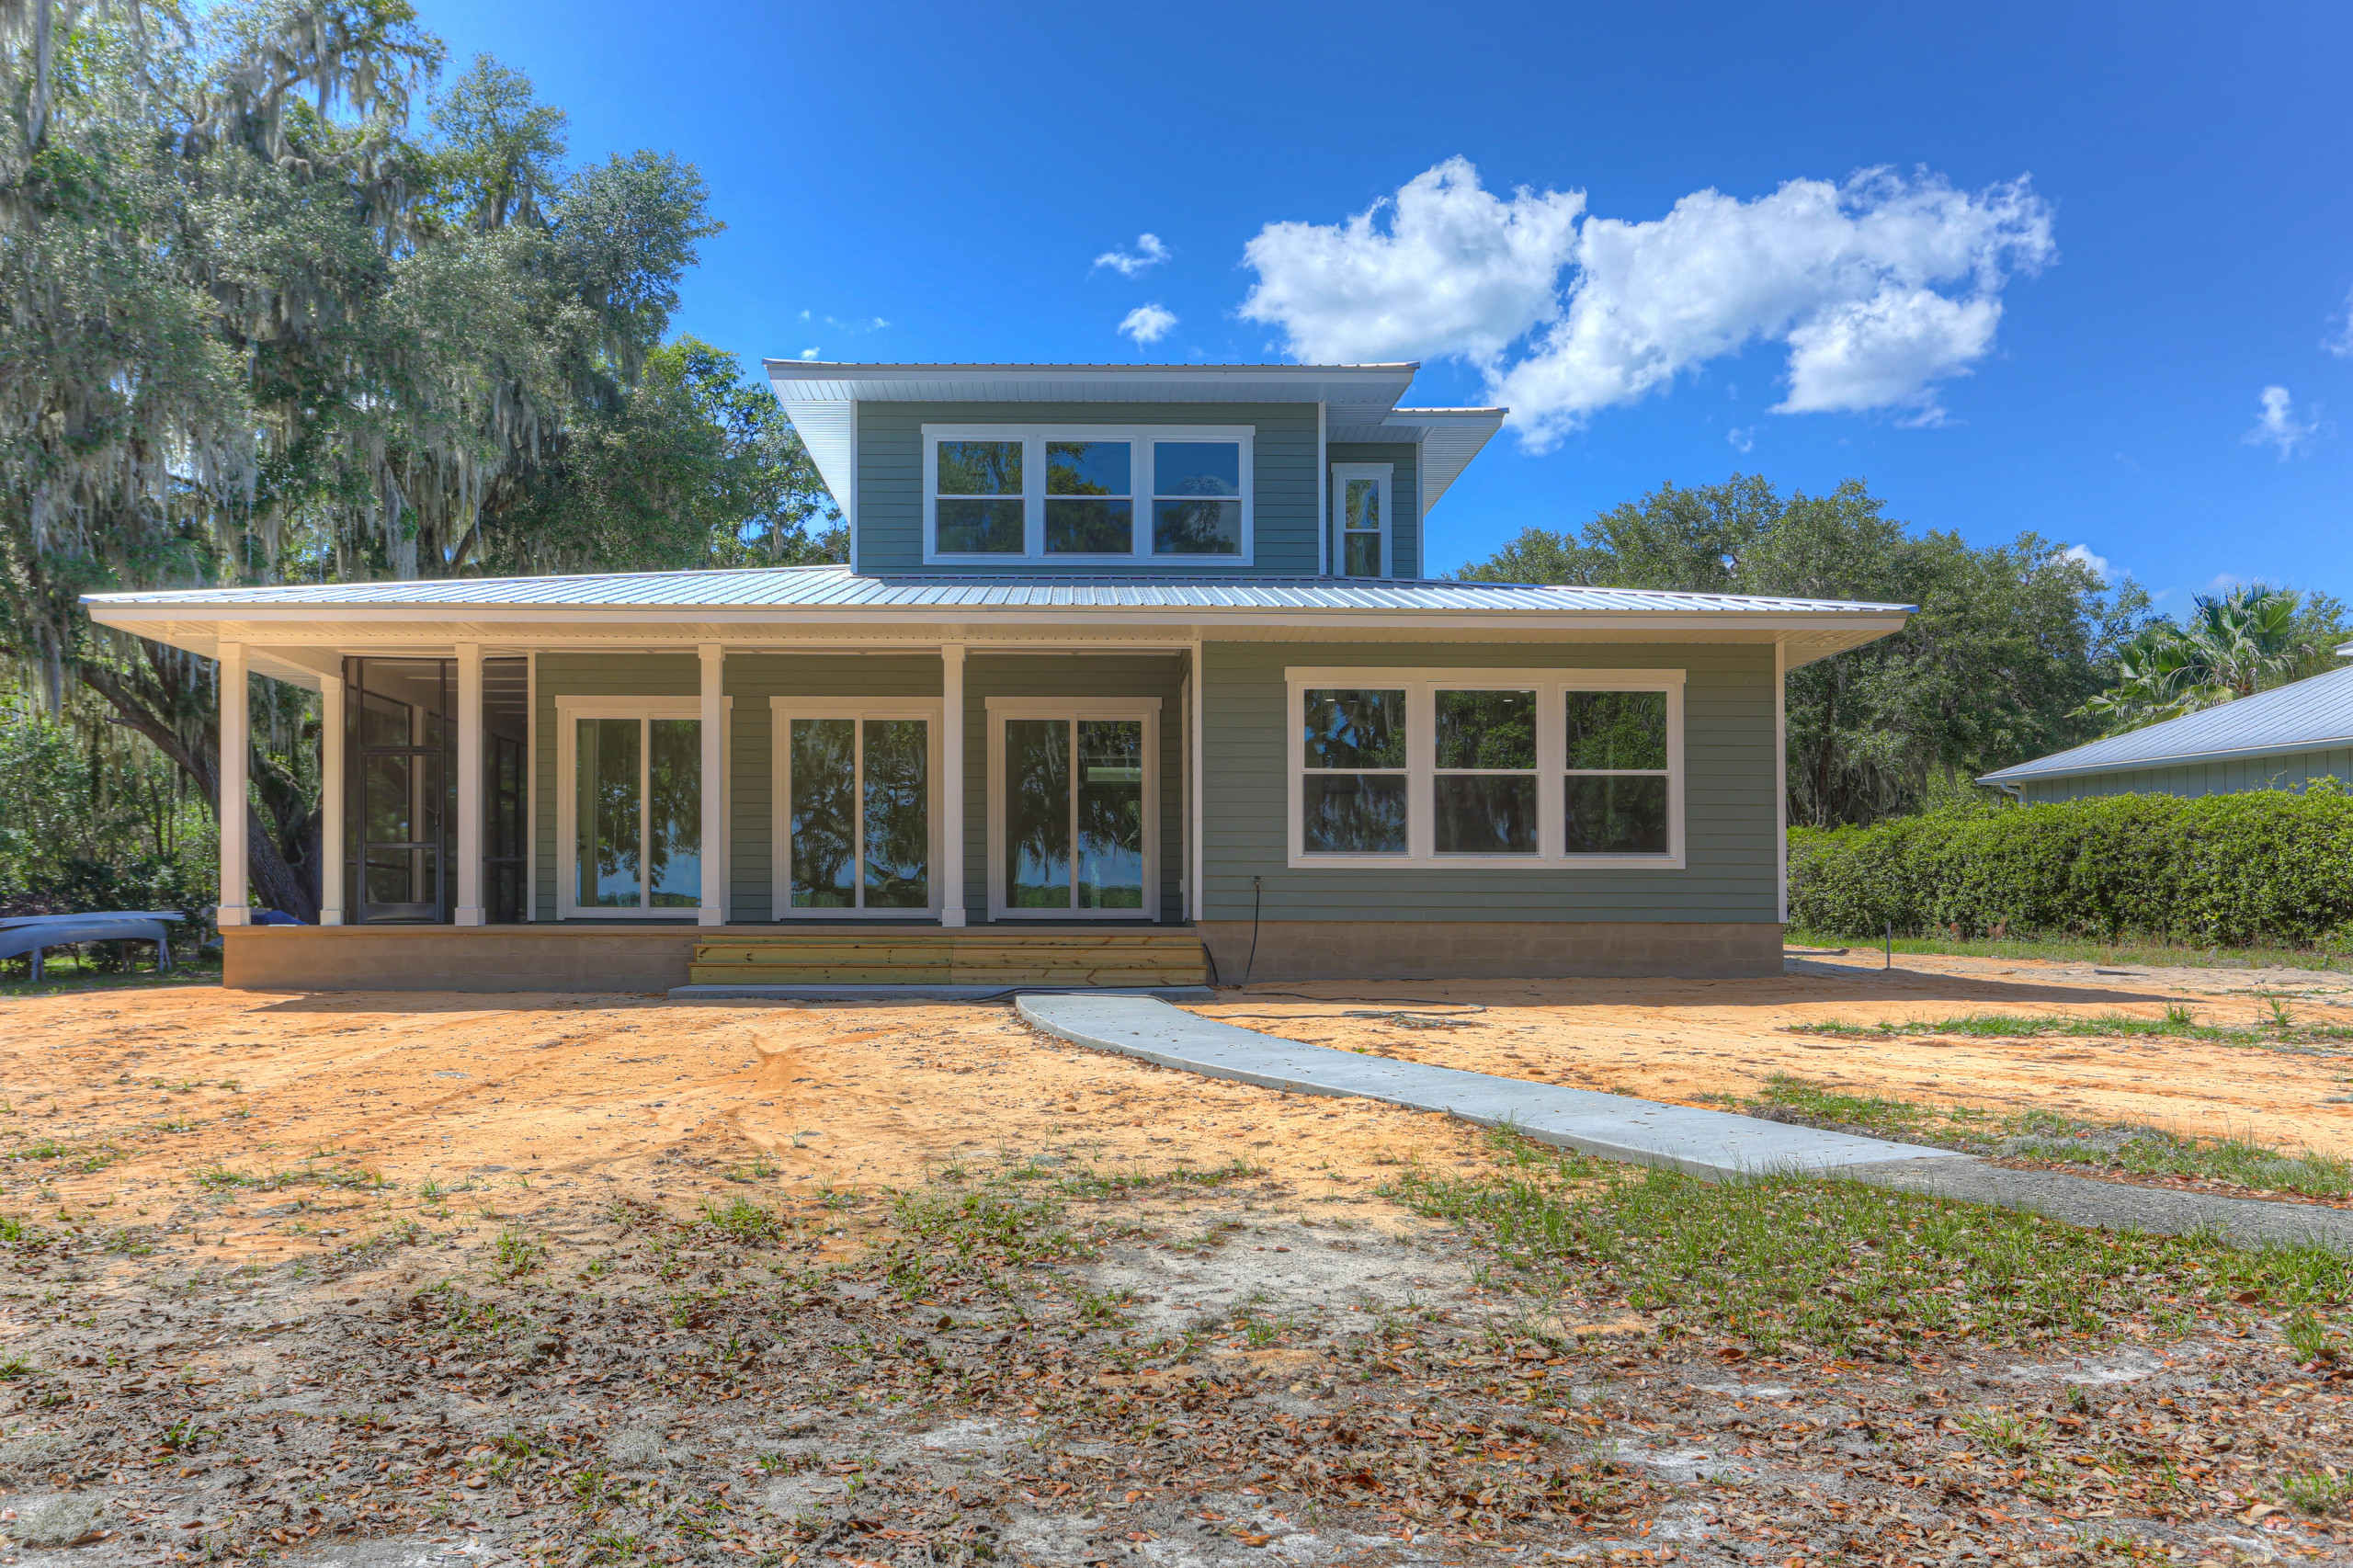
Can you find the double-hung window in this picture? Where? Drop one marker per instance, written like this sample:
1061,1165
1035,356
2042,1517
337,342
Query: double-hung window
853,825
1102,494
1487,768
630,815
1360,506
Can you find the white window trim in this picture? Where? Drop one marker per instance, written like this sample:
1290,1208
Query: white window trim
1146,709
1550,687
1033,478
1387,474
568,711
783,710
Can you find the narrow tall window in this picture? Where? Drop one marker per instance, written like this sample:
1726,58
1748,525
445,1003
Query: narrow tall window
1362,510
1353,802
1615,794
1197,497
1361,527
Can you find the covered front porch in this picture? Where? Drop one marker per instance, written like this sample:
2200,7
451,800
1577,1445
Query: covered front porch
563,816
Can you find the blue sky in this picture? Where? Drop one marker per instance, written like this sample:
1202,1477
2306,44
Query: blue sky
2106,231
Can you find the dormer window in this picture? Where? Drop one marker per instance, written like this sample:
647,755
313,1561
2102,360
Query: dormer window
1100,494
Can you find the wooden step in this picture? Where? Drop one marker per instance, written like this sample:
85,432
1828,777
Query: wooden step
990,956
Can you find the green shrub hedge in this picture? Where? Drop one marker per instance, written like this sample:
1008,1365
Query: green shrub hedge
2266,867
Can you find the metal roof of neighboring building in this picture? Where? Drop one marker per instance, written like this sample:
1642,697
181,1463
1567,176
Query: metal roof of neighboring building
836,587
2314,714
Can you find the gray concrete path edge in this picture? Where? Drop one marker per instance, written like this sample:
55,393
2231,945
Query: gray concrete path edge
1715,1146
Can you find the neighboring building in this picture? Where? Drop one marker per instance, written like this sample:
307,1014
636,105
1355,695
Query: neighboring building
1195,691
2280,739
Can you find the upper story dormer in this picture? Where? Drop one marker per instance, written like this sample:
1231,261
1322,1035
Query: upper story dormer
1261,471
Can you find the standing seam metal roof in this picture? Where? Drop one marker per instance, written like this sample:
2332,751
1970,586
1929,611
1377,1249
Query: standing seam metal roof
836,587
2305,715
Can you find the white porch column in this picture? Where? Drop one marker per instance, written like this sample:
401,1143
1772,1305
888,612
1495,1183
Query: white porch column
1199,895
710,910
951,784
233,910
331,793
470,910
1782,772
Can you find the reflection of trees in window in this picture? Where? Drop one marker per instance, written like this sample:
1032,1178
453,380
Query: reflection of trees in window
674,827
1197,487
1345,808
1355,729
608,813
1493,811
1614,800
898,821
980,468
823,784
1616,729
1037,813
1111,815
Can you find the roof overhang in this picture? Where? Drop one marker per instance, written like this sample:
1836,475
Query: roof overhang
821,397
297,642
1449,438
2028,773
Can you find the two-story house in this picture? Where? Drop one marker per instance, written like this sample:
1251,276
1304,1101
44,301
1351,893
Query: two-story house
1133,671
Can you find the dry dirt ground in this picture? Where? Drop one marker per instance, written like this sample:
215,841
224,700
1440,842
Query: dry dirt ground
378,1279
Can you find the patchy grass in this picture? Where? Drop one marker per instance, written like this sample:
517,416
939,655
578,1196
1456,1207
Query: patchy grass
78,1158
2067,950
2044,1135
2177,1022
1855,1269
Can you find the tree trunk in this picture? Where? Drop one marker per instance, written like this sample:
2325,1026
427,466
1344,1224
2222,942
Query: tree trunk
272,881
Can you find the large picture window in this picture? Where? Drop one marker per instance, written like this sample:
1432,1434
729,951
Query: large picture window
1093,492
1487,768
1074,810
854,807
631,808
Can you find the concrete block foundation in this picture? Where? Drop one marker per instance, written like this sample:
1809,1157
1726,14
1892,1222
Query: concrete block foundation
1492,949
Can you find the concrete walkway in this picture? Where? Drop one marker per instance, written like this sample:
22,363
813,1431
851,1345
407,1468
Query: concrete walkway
1713,1144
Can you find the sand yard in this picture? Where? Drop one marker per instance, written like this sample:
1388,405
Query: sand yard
552,1098
575,1280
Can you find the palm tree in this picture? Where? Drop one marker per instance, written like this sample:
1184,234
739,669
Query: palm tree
2233,646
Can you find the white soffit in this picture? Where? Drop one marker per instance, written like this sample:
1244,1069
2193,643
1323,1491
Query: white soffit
821,396
1450,438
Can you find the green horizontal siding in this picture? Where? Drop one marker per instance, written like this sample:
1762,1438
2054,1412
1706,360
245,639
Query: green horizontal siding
1405,529
1732,779
1284,495
2284,770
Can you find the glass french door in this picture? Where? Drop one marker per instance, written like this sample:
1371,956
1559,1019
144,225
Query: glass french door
1074,816
856,793
637,813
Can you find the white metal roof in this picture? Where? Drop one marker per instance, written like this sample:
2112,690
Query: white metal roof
837,586
821,396
2315,714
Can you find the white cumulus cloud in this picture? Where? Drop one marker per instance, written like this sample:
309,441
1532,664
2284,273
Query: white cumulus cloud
2083,553
2277,425
1149,253
1453,269
1878,287
2342,344
1148,324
